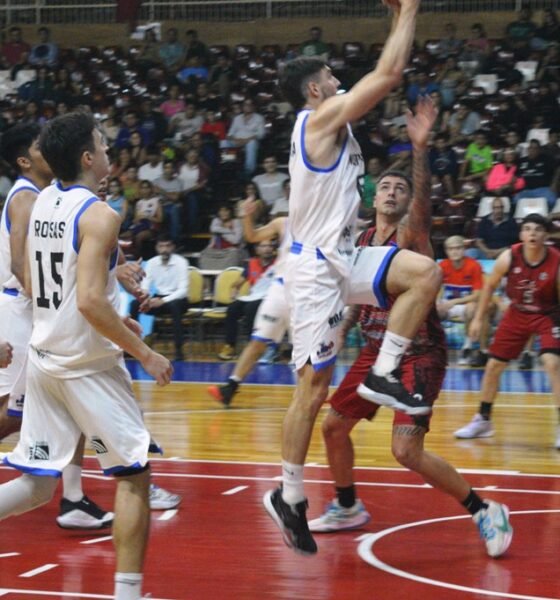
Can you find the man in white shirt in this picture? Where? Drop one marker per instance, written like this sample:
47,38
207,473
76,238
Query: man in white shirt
153,169
270,183
167,282
246,131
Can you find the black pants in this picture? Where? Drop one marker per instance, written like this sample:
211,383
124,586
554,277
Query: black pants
175,308
235,311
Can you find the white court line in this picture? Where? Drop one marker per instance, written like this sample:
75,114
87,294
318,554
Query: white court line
105,538
234,490
9,554
38,570
365,551
167,514
7,591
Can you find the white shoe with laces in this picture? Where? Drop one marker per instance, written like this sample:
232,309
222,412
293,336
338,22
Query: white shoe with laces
494,527
161,499
338,518
479,427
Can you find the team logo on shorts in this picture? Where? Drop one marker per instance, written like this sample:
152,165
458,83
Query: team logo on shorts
335,319
269,318
19,402
324,349
39,451
98,445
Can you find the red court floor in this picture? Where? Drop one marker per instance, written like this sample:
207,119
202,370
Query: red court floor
220,544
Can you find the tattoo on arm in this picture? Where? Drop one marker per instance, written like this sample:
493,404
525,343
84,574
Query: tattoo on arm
409,430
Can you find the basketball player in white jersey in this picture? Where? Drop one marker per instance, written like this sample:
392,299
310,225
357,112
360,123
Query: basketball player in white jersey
273,318
76,378
325,162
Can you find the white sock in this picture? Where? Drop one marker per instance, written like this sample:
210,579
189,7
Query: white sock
72,483
292,483
467,344
235,378
128,586
392,350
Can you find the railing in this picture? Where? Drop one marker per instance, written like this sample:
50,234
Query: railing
104,11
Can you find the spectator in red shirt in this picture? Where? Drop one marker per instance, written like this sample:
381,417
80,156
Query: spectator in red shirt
15,52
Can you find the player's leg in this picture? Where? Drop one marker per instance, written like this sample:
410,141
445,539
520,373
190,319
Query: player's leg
8,424
551,364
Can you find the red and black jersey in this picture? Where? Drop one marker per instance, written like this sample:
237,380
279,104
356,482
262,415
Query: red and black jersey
533,288
373,320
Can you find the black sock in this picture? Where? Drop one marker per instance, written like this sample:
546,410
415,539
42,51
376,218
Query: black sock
473,503
234,384
346,496
485,410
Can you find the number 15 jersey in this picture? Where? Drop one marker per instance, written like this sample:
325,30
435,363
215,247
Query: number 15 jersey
63,343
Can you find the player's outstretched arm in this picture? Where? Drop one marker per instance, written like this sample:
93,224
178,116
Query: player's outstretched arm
20,211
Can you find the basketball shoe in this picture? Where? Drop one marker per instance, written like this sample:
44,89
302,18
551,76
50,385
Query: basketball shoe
338,518
84,514
494,527
291,521
224,393
161,499
479,427
388,390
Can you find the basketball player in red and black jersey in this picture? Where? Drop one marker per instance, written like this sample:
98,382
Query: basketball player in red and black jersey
404,218
532,271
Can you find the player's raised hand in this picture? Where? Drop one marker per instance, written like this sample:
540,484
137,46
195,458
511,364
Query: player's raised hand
420,123
249,205
159,367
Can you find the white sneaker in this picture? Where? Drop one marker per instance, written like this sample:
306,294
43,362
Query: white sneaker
494,527
337,518
477,428
161,499
557,442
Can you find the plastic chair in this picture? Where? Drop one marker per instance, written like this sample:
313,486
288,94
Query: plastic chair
485,206
488,82
526,206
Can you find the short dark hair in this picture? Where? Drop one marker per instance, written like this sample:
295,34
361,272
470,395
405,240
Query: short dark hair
16,141
296,75
537,219
165,237
63,141
395,173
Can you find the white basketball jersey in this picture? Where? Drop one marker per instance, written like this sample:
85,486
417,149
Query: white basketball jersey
7,278
324,201
63,343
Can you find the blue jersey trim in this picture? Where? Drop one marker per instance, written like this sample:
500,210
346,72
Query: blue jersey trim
70,187
18,414
280,280
82,210
32,188
10,291
113,470
257,338
324,364
304,154
379,276
297,248
33,470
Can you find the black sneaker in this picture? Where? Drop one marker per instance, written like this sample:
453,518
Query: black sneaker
479,360
291,521
224,393
387,390
83,514
525,362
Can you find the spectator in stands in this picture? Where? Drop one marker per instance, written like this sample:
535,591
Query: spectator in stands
226,230
39,89
117,201
519,33
185,124
549,31
192,72
462,282
449,45
207,149
153,167
148,216
367,186
130,183
552,150
549,66
44,53
5,183
315,46
204,99
120,165
443,164
152,123
538,171
270,183
496,232
137,150
130,124
149,56
449,78
503,178
214,125
221,76
65,88
544,106
194,178
513,140
477,48
246,132
462,123
108,123
422,85
174,103
172,52
400,151
170,189
478,160
167,283
281,205
195,48
15,52
260,274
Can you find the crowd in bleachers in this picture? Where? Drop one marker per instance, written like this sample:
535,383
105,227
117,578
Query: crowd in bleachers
190,125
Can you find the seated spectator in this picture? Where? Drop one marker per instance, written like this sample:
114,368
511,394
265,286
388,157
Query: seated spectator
315,46
496,232
148,216
170,190
185,124
260,273
117,201
148,57
227,231
40,89
270,183
367,186
449,78
151,123
281,205
477,48
131,183
195,48
549,31
15,52
221,76
137,150
449,45
44,53
214,125
462,124
109,124
246,132
204,99
462,282
537,170
153,168
192,72
503,178
421,86
193,176
443,164
171,52
478,160
121,163
174,103
520,33
130,123
400,151
167,283
549,66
